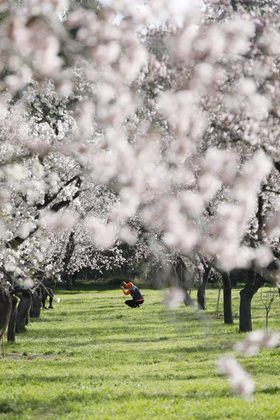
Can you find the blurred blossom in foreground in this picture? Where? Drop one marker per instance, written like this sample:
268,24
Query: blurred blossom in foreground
59,222
273,225
102,233
26,283
174,111
257,340
241,382
174,297
26,228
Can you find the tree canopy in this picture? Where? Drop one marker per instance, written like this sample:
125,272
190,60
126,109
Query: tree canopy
149,126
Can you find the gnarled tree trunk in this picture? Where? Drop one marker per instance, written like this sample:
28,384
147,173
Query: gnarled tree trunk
5,309
23,311
11,334
65,276
253,284
228,318
35,309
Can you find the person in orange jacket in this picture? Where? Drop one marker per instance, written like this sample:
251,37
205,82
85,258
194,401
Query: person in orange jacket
130,289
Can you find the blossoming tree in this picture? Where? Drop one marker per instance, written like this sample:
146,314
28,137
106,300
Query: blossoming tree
169,108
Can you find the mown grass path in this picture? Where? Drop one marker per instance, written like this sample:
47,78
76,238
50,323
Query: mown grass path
94,358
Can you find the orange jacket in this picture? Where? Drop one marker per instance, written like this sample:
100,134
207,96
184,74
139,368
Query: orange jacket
127,288
130,289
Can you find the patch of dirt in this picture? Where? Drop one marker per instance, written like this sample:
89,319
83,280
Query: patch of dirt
19,356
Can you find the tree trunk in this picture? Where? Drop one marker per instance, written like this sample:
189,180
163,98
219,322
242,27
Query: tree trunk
260,218
23,311
5,309
266,319
187,299
11,334
234,4
218,302
180,270
201,299
228,318
68,280
65,276
245,319
246,294
35,309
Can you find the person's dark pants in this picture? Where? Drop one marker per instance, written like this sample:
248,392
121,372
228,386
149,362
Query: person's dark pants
133,304
51,301
48,293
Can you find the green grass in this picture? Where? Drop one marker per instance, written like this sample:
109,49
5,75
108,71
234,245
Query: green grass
94,358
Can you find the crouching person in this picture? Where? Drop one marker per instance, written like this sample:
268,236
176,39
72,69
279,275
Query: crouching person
137,298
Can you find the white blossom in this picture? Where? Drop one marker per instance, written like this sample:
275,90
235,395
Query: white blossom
102,233
256,340
174,297
240,381
61,221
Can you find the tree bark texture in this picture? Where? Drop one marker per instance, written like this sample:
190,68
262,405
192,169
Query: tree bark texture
253,284
11,334
65,276
228,318
23,311
201,298
260,218
35,309
5,309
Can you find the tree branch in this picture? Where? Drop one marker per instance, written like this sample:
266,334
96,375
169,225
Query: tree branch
17,241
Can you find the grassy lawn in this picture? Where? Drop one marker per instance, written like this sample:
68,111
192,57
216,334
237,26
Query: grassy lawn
94,358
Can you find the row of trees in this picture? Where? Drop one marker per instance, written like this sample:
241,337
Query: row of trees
140,133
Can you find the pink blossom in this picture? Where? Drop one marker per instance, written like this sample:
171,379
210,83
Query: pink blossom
257,340
240,381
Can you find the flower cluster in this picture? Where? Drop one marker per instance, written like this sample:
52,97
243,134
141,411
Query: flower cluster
169,106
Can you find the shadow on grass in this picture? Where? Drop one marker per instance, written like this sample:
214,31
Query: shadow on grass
64,403
94,332
273,390
100,378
